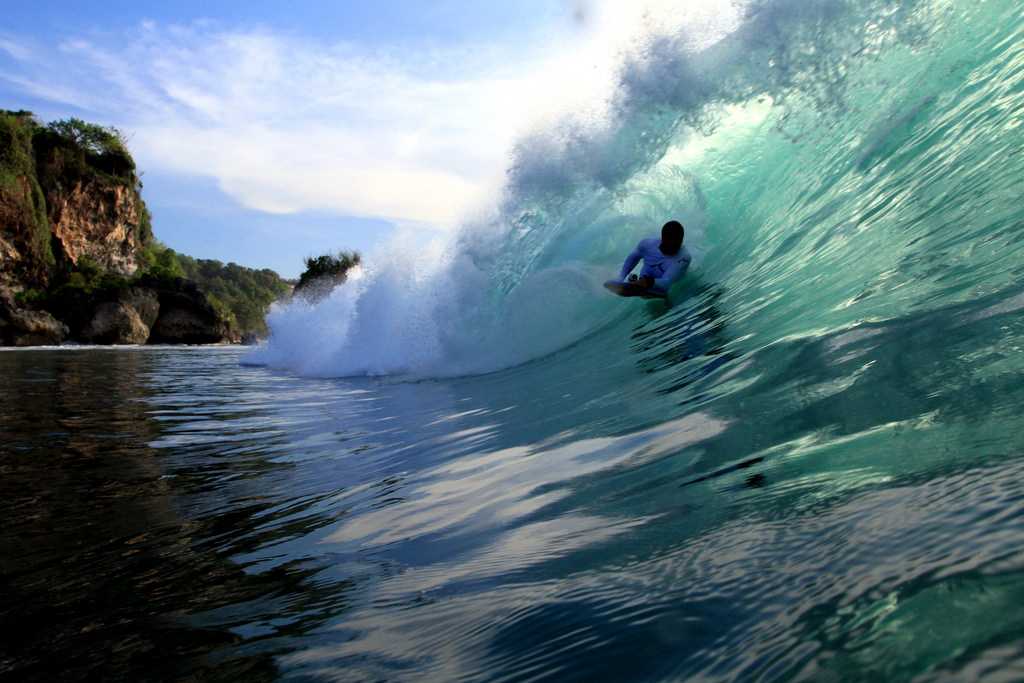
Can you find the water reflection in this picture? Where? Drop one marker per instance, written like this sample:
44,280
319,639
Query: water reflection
98,565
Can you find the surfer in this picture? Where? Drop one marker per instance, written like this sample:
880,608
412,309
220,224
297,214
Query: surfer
665,260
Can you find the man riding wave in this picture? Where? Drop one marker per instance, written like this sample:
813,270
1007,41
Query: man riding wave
665,260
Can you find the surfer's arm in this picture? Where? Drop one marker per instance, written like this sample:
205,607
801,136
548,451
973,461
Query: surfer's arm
674,272
631,261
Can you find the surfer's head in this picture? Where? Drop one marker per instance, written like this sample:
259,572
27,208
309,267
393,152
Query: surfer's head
672,237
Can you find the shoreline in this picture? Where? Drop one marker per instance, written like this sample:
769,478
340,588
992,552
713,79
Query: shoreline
104,347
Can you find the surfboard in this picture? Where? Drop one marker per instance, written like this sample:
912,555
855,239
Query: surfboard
630,289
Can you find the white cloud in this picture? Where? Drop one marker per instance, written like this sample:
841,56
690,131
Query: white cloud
15,49
285,125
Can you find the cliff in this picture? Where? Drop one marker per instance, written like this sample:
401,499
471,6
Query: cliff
78,259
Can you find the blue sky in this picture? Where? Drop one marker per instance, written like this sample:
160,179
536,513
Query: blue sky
269,131
404,22
97,60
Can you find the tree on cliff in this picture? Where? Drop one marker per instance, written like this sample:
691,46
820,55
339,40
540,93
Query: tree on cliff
90,137
325,272
73,147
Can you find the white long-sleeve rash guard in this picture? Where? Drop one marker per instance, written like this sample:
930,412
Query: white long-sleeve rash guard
664,269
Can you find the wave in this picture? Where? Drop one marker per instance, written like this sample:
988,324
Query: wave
809,147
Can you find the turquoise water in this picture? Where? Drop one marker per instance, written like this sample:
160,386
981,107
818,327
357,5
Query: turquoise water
808,467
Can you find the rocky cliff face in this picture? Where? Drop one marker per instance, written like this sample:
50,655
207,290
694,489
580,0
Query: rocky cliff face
73,238
127,319
98,221
171,311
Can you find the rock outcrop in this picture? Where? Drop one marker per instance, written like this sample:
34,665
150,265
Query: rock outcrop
145,302
23,327
126,320
115,322
187,317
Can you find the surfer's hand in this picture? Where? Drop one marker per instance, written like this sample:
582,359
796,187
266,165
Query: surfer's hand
647,282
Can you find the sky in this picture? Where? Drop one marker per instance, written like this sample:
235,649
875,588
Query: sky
269,131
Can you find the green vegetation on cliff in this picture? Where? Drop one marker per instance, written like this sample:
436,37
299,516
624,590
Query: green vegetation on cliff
243,294
22,204
70,150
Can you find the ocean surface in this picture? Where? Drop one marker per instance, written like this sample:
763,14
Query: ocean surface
482,467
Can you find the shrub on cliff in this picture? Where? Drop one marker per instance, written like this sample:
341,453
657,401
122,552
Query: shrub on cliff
224,311
160,263
31,298
325,272
15,146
